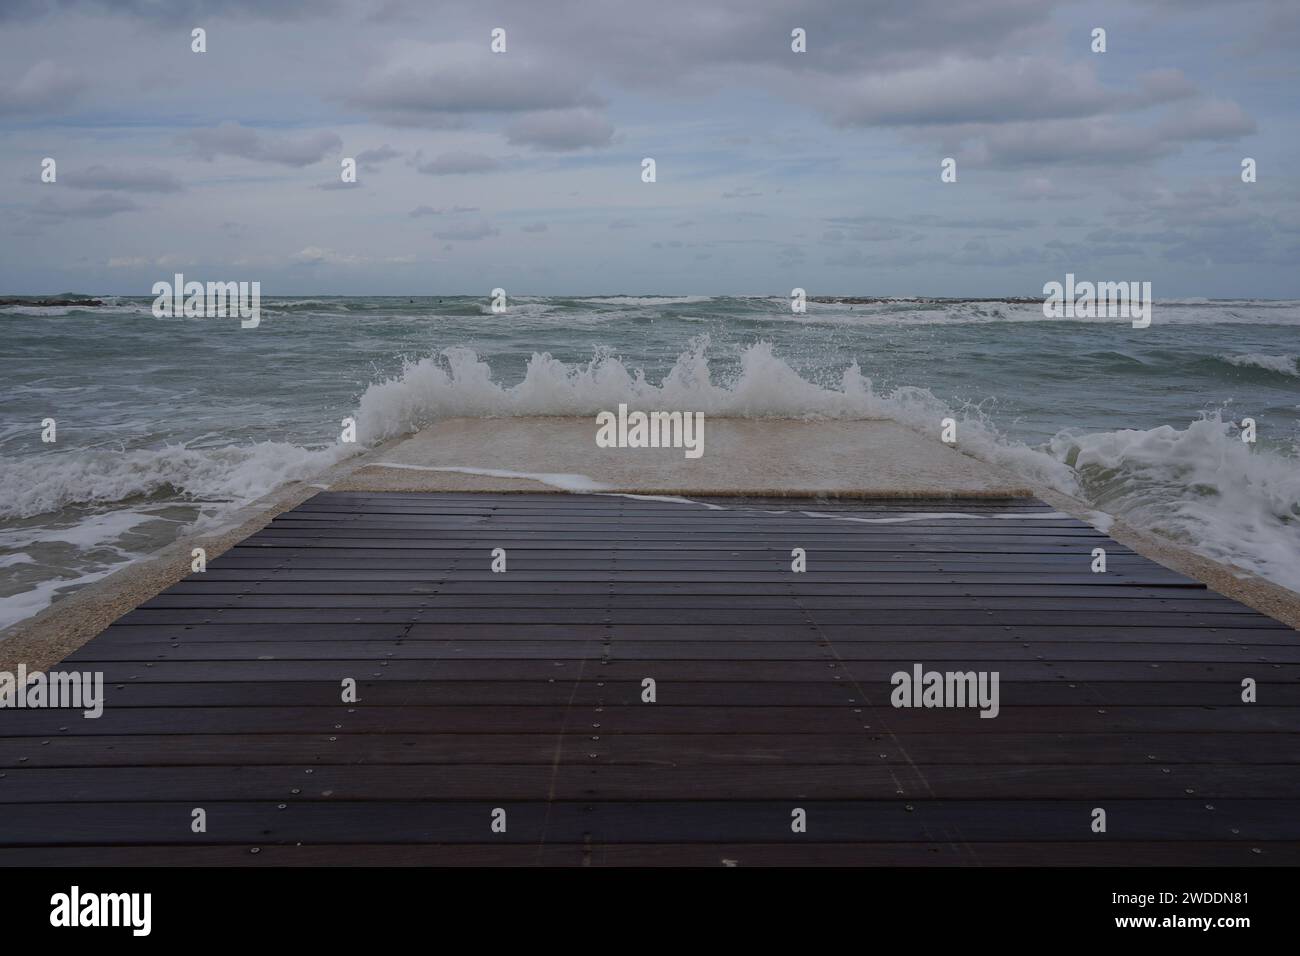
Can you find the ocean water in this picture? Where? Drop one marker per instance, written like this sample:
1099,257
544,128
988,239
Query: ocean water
168,424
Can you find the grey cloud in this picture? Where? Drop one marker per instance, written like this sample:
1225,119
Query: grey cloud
1108,236
1161,86
317,255
1213,119
1208,223
964,91
1037,188
535,227
988,91
1078,143
873,227
876,232
1093,121
979,252
561,130
439,87
992,222
45,87
687,45
288,149
173,11
23,9
393,11
419,211
374,157
1102,140
142,180
95,207
1211,206
1277,29
451,164
849,259
468,231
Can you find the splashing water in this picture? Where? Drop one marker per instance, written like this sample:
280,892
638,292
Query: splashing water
166,423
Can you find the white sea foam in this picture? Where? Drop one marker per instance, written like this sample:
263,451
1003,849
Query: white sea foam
565,482
17,607
1200,484
911,516
88,533
1282,364
902,310
517,308
671,499
235,474
56,311
219,479
912,313
457,383
638,300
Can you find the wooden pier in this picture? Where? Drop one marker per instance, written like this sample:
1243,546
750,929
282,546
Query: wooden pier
521,696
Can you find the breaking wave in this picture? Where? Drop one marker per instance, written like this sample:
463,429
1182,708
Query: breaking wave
1281,364
1200,485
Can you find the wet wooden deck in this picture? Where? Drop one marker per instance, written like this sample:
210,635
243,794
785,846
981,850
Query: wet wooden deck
522,692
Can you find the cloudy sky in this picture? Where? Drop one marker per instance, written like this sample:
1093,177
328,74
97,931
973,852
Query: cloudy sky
775,169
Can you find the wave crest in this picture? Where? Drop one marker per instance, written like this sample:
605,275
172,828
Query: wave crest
235,474
1282,364
1201,484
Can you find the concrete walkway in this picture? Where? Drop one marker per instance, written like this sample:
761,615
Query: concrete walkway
880,459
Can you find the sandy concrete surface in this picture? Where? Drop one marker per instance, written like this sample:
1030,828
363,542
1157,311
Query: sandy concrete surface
741,457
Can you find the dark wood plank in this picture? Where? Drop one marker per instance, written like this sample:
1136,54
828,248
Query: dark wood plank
620,649
740,821
891,748
588,853
865,672
524,690
660,719
557,612
577,692
566,782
